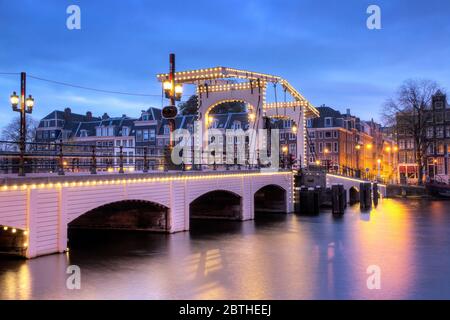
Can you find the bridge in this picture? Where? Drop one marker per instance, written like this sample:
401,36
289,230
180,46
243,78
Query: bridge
42,209
71,189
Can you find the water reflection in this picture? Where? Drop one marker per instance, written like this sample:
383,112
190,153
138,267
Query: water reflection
273,257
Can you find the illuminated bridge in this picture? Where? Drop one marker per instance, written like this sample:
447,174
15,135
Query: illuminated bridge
90,188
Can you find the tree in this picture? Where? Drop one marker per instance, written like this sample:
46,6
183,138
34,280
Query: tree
11,132
190,107
408,114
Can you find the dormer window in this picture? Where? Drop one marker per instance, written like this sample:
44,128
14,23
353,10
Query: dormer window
236,125
328,122
145,117
125,131
166,129
83,133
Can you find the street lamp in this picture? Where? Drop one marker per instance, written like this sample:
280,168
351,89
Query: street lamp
294,128
26,106
285,150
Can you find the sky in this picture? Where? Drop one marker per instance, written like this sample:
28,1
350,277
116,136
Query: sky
322,47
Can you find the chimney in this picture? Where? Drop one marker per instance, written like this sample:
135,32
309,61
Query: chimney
88,116
67,113
348,111
105,116
124,116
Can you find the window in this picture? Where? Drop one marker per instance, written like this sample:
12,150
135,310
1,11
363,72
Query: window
328,122
117,143
139,135
287,124
236,125
312,134
166,129
439,132
124,143
52,134
335,134
125,131
130,143
83,133
320,134
335,147
312,148
447,116
439,117
431,148
439,105
309,123
145,117
410,144
145,133
327,134
98,131
447,131
401,144
440,148
430,132
320,147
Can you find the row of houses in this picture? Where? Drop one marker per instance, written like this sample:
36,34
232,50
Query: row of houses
347,144
131,136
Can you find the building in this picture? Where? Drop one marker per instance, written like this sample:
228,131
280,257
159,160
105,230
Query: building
345,144
438,138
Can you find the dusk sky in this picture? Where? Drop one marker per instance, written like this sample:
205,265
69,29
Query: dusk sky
322,47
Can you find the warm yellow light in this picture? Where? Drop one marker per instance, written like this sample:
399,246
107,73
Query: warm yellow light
25,233
294,129
358,147
178,89
14,99
29,102
5,228
110,170
435,161
64,163
25,244
317,162
167,85
14,230
210,119
326,151
369,146
395,149
284,149
161,168
251,116
379,161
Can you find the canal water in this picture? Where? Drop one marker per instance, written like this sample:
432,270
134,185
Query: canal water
272,257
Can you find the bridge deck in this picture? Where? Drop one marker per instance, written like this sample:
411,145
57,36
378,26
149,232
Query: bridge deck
39,178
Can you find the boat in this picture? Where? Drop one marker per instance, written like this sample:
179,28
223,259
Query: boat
438,188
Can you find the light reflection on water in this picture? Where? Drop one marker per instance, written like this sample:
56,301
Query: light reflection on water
273,257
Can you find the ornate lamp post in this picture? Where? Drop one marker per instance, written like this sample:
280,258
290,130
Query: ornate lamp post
26,106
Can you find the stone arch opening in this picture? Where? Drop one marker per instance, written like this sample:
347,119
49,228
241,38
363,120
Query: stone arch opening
270,199
218,204
125,215
353,195
13,241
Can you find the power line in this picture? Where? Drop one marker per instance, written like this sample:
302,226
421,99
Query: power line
93,89
10,73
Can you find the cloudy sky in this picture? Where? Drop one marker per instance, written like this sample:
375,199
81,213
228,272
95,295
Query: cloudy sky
322,47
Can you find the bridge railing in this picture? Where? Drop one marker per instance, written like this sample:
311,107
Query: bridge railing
349,172
97,157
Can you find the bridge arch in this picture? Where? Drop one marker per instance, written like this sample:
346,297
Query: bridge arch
217,204
129,214
271,198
